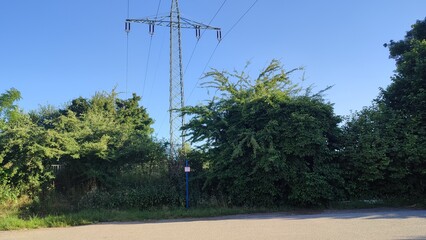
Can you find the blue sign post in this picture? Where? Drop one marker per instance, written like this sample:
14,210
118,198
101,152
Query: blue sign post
187,170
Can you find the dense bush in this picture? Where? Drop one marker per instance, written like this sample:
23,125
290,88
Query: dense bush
265,142
384,145
7,192
24,152
91,140
144,197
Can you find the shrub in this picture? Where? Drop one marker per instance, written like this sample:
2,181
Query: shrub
146,197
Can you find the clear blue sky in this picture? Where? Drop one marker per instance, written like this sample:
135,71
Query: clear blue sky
55,51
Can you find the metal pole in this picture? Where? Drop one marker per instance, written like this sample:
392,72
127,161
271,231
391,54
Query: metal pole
187,183
171,85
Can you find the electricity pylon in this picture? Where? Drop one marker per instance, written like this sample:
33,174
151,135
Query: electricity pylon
176,100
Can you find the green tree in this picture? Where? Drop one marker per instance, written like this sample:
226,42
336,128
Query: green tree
24,154
407,92
266,142
22,171
384,144
129,112
79,106
104,135
405,97
8,109
99,142
365,153
44,116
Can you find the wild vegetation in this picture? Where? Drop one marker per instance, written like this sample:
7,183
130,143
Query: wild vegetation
260,142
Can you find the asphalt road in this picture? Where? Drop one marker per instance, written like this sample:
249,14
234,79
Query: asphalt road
361,224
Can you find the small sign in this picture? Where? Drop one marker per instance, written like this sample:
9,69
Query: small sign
187,169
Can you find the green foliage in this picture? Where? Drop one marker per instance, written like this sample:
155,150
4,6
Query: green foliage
79,106
364,152
312,189
7,192
103,136
22,157
8,110
405,99
147,197
129,112
263,139
44,116
382,154
384,144
93,140
138,185
407,92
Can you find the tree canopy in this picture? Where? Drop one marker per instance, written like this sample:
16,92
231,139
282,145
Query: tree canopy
90,139
385,150
8,108
267,141
407,92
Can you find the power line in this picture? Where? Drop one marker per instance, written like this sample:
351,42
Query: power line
127,62
217,45
154,78
147,66
220,8
149,51
128,8
239,20
196,44
158,8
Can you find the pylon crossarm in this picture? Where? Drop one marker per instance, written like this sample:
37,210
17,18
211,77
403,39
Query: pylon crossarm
165,22
187,23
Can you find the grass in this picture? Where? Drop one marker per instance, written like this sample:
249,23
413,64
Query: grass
12,217
13,221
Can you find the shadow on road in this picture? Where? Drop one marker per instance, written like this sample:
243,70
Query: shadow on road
414,238
365,213
369,214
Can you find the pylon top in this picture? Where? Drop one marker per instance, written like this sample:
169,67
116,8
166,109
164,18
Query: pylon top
165,21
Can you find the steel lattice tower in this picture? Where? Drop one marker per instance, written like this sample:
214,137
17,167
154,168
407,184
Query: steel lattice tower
176,98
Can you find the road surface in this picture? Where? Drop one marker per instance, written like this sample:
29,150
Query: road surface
360,224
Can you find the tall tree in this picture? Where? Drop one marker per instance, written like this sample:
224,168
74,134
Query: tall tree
406,96
407,92
384,145
266,142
